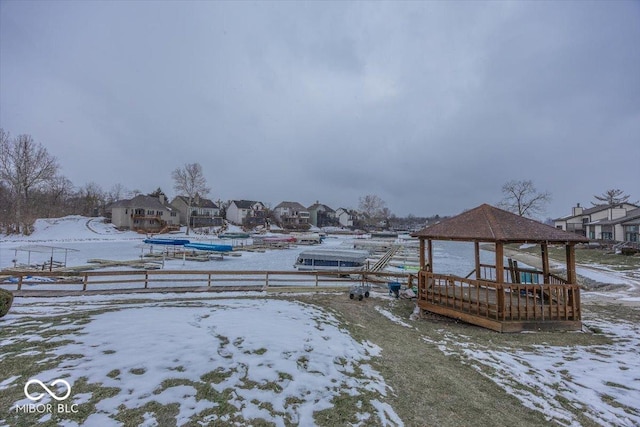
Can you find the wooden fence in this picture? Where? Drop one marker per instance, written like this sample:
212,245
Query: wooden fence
181,280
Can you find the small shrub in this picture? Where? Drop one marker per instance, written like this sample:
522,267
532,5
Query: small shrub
6,299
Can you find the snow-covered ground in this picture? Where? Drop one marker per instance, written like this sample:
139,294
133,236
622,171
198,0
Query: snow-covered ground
271,353
93,239
264,351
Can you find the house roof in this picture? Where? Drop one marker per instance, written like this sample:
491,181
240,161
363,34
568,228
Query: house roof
349,211
635,221
198,202
317,206
594,209
291,205
141,202
629,219
487,223
244,204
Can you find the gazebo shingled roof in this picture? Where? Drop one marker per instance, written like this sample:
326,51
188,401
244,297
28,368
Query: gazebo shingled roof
487,223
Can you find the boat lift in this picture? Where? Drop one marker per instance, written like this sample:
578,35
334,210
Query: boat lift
49,264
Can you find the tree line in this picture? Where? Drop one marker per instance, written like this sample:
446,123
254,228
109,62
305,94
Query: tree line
31,187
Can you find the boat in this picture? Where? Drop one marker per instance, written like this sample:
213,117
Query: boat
277,239
331,260
173,242
384,235
209,247
234,235
274,241
308,238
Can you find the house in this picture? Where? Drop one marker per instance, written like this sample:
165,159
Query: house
291,214
144,213
322,215
204,212
619,228
246,212
579,219
346,217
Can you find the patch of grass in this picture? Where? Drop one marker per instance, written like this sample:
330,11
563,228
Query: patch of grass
616,385
137,371
216,376
610,400
260,351
172,382
347,410
594,329
283,376
303,362
114,374
222,399
165,415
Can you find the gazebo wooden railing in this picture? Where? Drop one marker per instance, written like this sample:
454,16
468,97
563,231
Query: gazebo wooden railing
504,307
520,275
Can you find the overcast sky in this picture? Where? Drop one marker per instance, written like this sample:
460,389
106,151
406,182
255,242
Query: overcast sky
432,106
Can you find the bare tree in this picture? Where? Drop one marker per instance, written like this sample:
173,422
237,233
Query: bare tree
92,199
374,208
189,181
612,197
522,198
117,192
56,196
24,167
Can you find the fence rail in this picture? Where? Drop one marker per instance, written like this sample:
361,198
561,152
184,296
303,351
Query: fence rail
27,281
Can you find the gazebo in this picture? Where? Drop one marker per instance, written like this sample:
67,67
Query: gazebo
505,298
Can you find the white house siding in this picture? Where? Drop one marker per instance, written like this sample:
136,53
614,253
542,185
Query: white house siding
236,215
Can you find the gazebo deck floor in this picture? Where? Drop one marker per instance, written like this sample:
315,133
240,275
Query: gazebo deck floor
504,307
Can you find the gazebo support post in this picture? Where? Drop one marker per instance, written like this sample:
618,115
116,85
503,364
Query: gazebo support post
544,252
421,254
430,255
571,263
500,278
571,272
477,251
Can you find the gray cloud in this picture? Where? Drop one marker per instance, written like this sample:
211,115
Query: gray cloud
430,105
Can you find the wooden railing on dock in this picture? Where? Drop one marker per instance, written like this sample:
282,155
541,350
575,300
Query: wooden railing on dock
176,280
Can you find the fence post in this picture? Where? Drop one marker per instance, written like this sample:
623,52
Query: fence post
209,280
20,282
146,279
266,280
85,279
